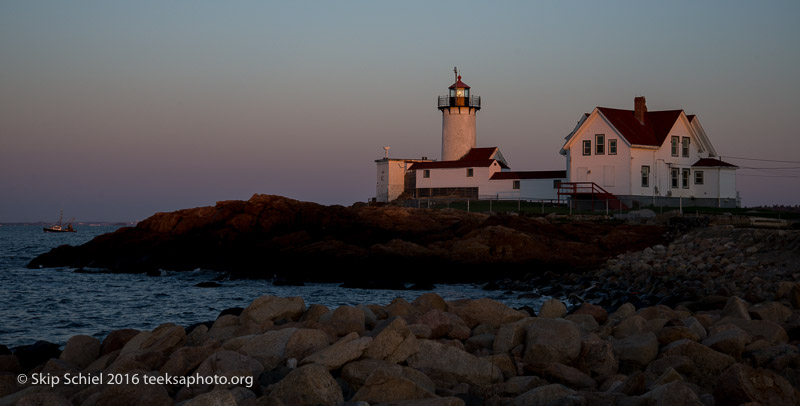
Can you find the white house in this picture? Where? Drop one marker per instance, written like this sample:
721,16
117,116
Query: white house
654,158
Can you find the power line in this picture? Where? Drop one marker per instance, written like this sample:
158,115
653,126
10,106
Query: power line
770,167
763,160
771,176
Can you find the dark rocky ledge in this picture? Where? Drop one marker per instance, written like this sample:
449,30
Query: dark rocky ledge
272,236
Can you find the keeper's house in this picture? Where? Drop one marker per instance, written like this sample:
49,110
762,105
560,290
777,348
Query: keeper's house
659,158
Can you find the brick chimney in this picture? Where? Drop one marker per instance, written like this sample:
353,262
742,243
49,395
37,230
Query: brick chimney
639,109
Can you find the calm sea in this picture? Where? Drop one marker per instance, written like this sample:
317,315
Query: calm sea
54,304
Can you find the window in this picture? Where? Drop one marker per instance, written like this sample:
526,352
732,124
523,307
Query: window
599,144
516,185
426,173
685,178
675,175
612,147
587,147
698,177
645,176
469,172
685,147
556,183
674,146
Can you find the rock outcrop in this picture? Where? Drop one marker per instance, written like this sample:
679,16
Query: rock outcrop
272,236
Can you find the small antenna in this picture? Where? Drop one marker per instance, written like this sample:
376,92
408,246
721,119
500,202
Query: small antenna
455,72
386,152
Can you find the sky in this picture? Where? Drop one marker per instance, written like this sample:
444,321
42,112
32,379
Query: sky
115,110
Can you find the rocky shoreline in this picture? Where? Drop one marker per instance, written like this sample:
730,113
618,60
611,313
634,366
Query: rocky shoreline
699,270
434,352
710,318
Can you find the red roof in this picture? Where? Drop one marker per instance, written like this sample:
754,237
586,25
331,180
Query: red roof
459,84
655,129
475,158
477,154
530,175
483,163
713,162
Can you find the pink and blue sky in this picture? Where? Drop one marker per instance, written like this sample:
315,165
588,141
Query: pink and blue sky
115,110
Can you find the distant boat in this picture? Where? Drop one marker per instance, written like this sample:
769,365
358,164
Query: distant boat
59,228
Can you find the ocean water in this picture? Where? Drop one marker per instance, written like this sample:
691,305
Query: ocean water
54,304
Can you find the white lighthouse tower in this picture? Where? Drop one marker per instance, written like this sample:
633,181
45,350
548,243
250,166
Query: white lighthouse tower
458,109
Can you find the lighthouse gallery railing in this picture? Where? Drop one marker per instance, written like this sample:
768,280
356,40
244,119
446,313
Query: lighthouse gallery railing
471,101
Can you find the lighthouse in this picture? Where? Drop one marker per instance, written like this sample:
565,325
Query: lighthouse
458,109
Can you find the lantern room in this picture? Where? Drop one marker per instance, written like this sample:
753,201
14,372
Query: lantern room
459,96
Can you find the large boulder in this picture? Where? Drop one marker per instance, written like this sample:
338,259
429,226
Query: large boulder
387,385
444,324
742,384
222,363
736,308
429,301
450,364
553,309
708,361
772,311
510,335
672,394
392,340
400,307
631,325
348,348
356,373
304,342
270,308
346,320
117,339
770,331
551,340
597,357
228,326
597,312
186,359
309,385
165,339
81,350
730,340
484,311
269,348
636,351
